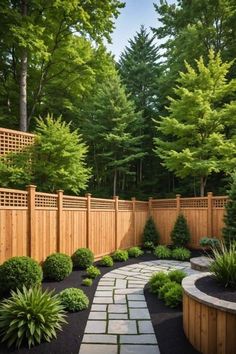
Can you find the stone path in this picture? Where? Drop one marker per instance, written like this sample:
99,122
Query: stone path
119,321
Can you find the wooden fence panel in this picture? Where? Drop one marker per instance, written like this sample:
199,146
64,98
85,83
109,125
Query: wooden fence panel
197,222
164,220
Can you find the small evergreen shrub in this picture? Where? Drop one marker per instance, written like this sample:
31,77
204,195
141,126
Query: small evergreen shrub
229,230
17,272
162,252
135,252
181,253
83,258
87,282
120,256
209,242
93,272
74,299
106,261
31,316
148,245
165,288
224,265
57,266
177,275
157,281
150,232
173,297
180,234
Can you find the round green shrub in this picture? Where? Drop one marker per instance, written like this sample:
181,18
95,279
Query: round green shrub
181,253
31,316
163,290
173,297
83,258
57,266
17,272
135,252
120,256
157,281
106,261
177,275
87,282
93,272
162,252
74,299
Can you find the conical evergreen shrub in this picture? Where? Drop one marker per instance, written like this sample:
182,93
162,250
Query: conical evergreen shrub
150,232
229,231
180,234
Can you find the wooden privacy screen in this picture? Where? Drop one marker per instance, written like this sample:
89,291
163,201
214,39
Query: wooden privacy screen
38,224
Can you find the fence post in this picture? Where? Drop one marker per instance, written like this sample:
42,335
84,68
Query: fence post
31,221
150,206
209,213
178,204
116,198
134,219
88,195
60,245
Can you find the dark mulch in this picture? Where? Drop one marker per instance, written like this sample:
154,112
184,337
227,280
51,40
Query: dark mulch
170,334
210,286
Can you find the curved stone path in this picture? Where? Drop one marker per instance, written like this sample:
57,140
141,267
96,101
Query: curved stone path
119,321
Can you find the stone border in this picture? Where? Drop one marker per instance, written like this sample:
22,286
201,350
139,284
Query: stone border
190,289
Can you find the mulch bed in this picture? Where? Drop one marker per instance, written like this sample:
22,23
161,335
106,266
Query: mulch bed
210,286
167,322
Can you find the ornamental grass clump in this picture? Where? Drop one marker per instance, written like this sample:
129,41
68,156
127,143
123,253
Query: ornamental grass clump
74,299
162,252
57,266
30,316
135,252
181,254
224,265
17,272
83,258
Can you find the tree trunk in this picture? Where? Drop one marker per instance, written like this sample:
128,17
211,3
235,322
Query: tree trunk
114,182
202,186
23,79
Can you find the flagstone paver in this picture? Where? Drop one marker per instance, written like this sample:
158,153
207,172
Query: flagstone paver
119,321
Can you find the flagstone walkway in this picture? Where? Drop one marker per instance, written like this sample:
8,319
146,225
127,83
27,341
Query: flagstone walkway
119,321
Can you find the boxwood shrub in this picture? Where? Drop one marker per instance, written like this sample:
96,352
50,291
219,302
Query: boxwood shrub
157,281
120,256
74,299
83,258
106,261
57,266
173,297
93,272
177,275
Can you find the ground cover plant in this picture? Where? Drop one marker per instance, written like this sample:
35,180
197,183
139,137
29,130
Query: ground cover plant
17,272
31,316
120,256
135,252
83,258
73,299
181,253
57,266
162,252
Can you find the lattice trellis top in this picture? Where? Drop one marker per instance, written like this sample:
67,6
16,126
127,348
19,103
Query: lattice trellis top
14,141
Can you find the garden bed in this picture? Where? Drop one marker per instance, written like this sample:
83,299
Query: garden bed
165,320
210,286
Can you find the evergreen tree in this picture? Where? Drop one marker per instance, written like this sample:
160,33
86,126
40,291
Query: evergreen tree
229,230
194,141
180,234
150,232
139,70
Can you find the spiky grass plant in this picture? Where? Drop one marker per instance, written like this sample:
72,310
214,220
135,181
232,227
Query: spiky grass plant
30,316
224,265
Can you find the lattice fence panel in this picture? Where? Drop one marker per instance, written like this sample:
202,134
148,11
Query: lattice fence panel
141,206
219,202
13,198
14,141
194,202
125,205
74,202
104,204
45,200
163,203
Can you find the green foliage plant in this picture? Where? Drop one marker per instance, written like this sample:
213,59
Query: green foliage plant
229,230
181,254
150,232
120,256
17,272
93,272
162,252
31,316
180,234
135,252
177,275
209,242
157,281
224,265
83,258
87,282
57,266
165,288
148,245
106,261
74,299
174,296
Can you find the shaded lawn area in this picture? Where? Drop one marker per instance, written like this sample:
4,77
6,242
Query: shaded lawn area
167,322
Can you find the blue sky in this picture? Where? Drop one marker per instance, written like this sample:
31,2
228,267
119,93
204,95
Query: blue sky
135,14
